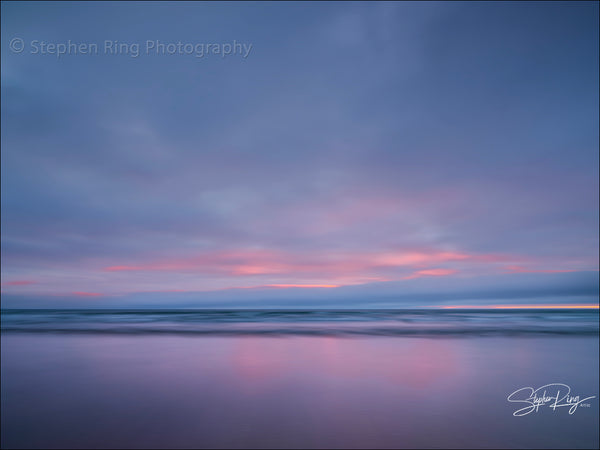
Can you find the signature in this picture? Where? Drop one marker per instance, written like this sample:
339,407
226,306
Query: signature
556,395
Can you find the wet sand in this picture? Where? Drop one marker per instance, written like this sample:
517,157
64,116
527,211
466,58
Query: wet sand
71,390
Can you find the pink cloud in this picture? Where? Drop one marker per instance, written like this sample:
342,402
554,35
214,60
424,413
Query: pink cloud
287,286
284,286
416,258
323,269
87,294
18,283
265,262
431,273
121,268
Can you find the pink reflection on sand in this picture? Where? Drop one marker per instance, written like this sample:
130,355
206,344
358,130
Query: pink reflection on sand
415,363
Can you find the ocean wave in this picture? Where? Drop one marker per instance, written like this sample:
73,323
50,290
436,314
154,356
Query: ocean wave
303,322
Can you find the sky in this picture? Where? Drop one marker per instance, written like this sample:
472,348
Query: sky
330,154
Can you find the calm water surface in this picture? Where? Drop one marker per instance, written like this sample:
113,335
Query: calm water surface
294,379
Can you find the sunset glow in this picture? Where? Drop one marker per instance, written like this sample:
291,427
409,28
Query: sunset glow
547,306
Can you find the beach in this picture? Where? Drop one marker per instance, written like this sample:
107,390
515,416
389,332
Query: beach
169,390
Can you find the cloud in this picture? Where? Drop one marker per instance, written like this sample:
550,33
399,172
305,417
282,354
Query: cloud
421,292
521,269
431,273
18,283
354,146
313,268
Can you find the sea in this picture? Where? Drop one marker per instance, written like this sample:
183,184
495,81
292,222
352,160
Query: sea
412,378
